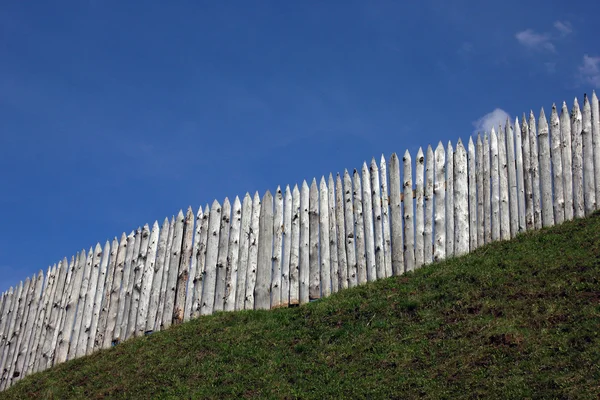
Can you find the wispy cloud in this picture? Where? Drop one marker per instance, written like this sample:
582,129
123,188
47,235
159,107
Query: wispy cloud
589,70
563,27
535,41
489,120
550,67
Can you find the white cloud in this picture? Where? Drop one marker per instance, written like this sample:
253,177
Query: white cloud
563,27
492,119
537,41
589,70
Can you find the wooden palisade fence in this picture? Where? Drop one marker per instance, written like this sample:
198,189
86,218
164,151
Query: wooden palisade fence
306,242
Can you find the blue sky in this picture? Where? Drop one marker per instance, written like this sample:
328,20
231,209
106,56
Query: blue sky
117,113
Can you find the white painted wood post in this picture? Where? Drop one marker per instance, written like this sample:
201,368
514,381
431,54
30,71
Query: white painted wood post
240,296
428,227
589,182
385,203
472,196
520,176
333,250
174,261
420,208
201,259
396,214
409,227
295,248
567,160
349,238
577,153
222,256
359,230
512,179
461,201
439,251
314,287
495,181
325,275
262,297
79,316
596,144
233,256
253,252
545,171
115,289
377,220
277,249
528,178
304,272
479,173
368,221
341,233
487,189
503,180
147,278
287,250
557,172
110,276
207,301
189,298
163,285
449,200
535,172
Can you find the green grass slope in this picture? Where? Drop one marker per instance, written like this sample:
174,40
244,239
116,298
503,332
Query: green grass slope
518,319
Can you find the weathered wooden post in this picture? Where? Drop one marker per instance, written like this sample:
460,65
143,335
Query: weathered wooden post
334,263
520,175
487,178
223,250
409,227
535,172
287,251
262,295
240,295
428,226
596,143
528,178
545,172
567,160
295,248
495,181
103,318
253,252
157,280
420,208
304,273
461,201
396,214
113,310
233,256
589,182
472,195
385,205
557,172
147,277
577,153
207,301
165,278
325,253
377,217
503,180
314,288
341,233
350,245
359,230
440,204
512,179
479,176
371,268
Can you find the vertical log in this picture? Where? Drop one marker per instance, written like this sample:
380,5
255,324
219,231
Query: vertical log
472,182
449,200
314,288
233,256
596,144
201,259
396,214
495,181
325,276
341,234
7,315
37,287
368,221
545,171
262,296
183,274
535,172
36,354
304,272
409,227
577,153
513,201
114,290
377,217
277,249
295,249
90,296
349,218
79,316
520,176
589,182
240,295
147,277
14,333
189,298
504,188
557,173
528,179
98,298
253,252
333,236
567,160
287,250
212,253
429,205
461,201
60,301
222,257
439,251
420,208
119,333
385,203
479,173
174,261
46,351
359,230
165,277
106,297
135,284
487,178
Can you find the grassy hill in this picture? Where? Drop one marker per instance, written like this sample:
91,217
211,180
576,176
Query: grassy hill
518,319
